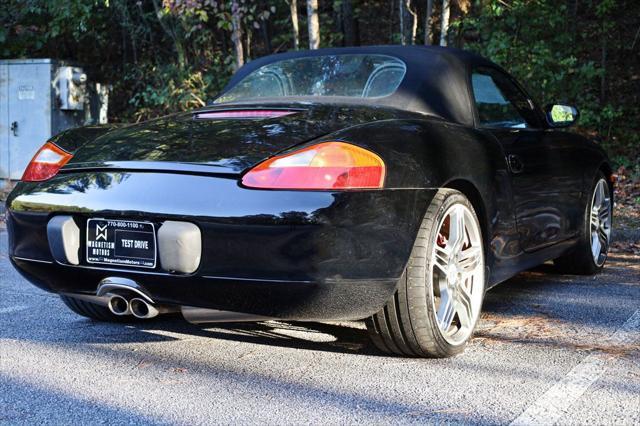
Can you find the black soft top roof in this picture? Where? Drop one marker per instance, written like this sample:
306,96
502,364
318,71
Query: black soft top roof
436,81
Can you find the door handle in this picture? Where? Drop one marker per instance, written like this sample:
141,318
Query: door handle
14,128
515,163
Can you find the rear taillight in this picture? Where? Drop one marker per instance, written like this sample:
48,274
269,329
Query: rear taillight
46,163
327,165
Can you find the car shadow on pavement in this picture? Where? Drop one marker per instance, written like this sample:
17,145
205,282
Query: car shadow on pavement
535,307
339,338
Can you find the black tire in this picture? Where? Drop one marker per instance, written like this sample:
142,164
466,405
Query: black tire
407,325
93,311
579,260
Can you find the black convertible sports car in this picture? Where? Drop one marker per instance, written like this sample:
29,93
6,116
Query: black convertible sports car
395,184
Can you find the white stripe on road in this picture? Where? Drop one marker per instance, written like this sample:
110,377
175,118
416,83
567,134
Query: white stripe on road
12,309
551,406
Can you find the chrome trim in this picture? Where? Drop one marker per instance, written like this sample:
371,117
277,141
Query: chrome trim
111,284
134,308
114,298
26,259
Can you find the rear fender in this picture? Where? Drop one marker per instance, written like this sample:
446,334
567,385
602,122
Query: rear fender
432,153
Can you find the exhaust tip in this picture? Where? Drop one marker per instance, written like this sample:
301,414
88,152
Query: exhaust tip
118,305
141,309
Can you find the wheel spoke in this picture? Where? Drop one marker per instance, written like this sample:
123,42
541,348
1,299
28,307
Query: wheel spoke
599,194
594,219
457,232
603,213
595,245
441,259
446,310
464,307
469,260
604,238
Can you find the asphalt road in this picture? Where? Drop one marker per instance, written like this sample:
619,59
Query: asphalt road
549,349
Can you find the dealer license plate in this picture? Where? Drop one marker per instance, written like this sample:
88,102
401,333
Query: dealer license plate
121,242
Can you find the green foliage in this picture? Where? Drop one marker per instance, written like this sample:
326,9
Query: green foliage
168,55
557,51
532,41
169,88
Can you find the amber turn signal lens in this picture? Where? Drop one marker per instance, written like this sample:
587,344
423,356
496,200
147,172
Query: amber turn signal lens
327,165
46,163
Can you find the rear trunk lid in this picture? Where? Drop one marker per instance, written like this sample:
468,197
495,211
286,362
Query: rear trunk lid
218,145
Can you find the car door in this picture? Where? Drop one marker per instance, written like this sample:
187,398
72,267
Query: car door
545,180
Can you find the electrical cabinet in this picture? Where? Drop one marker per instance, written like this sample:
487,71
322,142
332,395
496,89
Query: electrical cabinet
38,99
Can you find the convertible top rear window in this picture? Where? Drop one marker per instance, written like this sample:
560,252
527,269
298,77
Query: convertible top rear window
350,75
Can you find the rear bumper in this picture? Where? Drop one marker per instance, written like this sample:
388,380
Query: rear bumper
285,254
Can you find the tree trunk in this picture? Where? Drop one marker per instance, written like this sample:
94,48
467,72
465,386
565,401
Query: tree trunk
236,34
266,36
293,8
408,22
428,36
348,25
414,21
574,20
603,66
247,44
392,23
314,24
444,27
177,42
401,14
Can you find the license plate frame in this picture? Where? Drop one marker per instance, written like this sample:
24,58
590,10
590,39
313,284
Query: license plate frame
121,242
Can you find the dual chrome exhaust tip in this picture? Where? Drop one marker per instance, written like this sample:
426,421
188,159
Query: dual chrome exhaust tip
118,305
138,307
123,296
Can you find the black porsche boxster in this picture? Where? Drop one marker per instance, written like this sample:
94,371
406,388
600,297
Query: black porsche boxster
392,184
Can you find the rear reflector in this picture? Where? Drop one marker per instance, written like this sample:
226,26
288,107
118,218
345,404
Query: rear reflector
46,163
243,113
327,165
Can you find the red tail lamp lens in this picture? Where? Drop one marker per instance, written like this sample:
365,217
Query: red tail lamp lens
46,163
327,165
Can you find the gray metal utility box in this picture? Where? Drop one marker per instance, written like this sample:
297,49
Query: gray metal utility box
38,99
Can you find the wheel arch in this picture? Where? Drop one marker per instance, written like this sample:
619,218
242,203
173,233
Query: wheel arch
607,171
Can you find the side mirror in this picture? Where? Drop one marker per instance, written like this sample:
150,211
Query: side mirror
561,115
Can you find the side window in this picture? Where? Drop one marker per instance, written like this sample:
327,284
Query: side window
499,102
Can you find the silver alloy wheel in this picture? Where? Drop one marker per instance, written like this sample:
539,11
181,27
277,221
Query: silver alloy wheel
457,272
600,222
